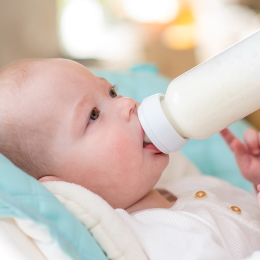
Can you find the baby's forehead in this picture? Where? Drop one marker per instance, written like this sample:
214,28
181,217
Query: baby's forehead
18,73
51,75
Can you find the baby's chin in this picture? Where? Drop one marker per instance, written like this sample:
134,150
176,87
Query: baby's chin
165,160
168,160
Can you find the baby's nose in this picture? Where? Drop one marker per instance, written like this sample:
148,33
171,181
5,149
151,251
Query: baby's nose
127,106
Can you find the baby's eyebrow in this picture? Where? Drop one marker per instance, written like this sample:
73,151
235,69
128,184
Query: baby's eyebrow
105,80
102,78
80,105
78,111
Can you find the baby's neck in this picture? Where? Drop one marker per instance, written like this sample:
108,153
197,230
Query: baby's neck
153,199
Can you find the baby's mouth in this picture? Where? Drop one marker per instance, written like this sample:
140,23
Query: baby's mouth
151,146
147,144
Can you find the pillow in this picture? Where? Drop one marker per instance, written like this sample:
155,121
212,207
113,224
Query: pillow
211,156
23,197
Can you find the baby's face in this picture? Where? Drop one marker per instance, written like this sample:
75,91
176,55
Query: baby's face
96,137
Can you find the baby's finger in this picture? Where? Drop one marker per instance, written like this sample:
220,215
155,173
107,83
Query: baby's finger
237,147
258,195
252,141
258,187
231,140
240,153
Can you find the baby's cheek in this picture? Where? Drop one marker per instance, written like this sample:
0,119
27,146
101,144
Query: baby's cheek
126,146
123,154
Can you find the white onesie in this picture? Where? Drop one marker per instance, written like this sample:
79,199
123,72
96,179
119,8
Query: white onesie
211,219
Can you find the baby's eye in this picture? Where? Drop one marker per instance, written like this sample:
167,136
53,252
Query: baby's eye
112,92
94,115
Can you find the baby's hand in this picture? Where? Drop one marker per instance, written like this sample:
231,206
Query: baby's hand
247,155
258,195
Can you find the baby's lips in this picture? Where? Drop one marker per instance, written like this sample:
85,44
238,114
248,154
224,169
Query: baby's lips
145,137
147,144
152,147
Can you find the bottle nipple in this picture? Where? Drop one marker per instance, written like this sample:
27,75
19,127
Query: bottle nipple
146,139
157,127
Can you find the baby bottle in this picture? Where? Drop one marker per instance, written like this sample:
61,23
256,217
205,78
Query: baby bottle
206,99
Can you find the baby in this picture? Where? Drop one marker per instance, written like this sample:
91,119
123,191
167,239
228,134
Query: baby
60,122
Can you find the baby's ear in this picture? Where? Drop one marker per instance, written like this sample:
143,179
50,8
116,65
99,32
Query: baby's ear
49,178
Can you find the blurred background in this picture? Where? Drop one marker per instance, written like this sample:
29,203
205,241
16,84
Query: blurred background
175,35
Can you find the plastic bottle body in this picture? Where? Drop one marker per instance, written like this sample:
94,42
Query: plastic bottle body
208,98
216,93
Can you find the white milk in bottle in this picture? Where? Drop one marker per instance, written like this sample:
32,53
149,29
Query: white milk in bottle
206,99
